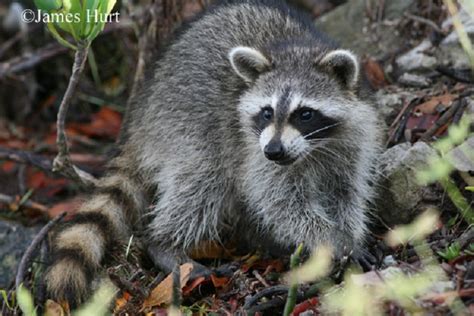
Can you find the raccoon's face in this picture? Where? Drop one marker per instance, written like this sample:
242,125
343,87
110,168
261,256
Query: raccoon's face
287,116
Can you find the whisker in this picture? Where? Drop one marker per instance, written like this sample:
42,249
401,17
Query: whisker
321,129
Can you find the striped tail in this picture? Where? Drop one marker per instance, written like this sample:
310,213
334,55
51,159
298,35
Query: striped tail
79,246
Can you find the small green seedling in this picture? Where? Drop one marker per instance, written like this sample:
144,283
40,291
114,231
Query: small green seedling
451,252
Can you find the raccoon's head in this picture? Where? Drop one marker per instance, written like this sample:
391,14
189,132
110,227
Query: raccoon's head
295,102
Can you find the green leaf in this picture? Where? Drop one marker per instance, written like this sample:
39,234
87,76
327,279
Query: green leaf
58,37
110,5
48,5
90,8
104,10
451,252
25,301
73,9
5,299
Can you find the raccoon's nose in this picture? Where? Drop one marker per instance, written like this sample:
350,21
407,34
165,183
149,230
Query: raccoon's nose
274,151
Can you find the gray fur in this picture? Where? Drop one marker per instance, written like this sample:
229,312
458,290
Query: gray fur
197,149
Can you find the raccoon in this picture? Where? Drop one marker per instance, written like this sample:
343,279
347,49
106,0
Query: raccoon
253,124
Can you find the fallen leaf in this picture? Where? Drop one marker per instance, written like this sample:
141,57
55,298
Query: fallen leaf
163,292
219,282
8,166
304,306
194,284
38,180
254,262
105,123
14,144
120,302
422,122
374,72
436,104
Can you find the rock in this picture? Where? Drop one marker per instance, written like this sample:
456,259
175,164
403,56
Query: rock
14,239
462,157
401,192
469,271
416,60
412,80
389,261
373,278
467,237
347,24
450,50
388,103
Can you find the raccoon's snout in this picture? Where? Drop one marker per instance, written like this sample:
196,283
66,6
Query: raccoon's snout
274,151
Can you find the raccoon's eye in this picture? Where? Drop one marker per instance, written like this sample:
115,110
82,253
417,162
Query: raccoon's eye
267,114
306,115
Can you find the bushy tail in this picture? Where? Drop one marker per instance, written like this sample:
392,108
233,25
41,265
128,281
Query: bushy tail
79,246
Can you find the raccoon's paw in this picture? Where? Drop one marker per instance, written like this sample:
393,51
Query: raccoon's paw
67,280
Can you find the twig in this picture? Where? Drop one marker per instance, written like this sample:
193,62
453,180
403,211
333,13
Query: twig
176,294
260,278
270,291
62,163
273,303
41,286
30,204
401,120
28,61
460,111
424,21
25,157
126,285
442,120
27,256
292,292
461,75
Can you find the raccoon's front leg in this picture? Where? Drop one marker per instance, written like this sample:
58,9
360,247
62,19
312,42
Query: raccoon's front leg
166,261
190,210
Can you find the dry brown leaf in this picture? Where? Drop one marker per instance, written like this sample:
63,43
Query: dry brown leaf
53,309
194,284
431,106
219,281
163,292
374,73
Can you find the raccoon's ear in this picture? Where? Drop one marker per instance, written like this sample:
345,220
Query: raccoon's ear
248,63
344,65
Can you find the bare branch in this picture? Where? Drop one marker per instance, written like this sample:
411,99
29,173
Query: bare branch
30,204
30,251
62,163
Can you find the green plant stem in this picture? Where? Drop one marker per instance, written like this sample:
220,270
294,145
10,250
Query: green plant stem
458,199
62,163
292,291
460,29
